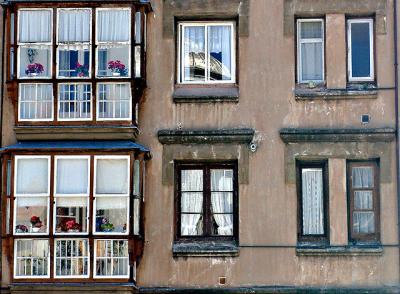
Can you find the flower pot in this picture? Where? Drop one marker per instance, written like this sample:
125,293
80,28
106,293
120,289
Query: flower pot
116,74
32,74
73,231
35,230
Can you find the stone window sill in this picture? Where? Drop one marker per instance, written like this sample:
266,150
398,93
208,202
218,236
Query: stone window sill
339,250
193,94
302,93
205,249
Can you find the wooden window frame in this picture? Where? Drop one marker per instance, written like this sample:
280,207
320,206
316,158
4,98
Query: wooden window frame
206,167
373,237
314,239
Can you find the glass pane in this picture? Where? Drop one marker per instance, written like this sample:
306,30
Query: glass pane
71,214
112,176
112,25
363,200
72,257
112,258
114,101
220,49
221,180
72,176
313,201
192,180
113,61
35,26
112,214
73,62
35,61
363,177
360,50
311,30
75,101
138,27
194,62
222,208
137,62
12,73
32,176
191,202
191,224
31,215
136,216
31,258
74,25
311,61
136,177
35,101
363,222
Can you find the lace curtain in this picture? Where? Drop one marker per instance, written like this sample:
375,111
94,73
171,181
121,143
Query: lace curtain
191,201
74,26
222,202
313,203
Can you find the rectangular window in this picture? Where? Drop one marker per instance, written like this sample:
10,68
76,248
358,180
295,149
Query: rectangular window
310,50
31,259
206,200
360,37
35,102
71,258
111,259
313,201
207,52
363,184
74,102
114,101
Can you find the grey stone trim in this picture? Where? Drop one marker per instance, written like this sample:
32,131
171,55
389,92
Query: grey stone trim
339,251
313,94
205,9
205,249
240,136
310,8
205,95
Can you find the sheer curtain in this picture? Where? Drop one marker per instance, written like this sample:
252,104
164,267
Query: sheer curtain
35,26
74,26
191,201
219,43
112,176
72,176
194,53
313,205
113,25
222,202
32,176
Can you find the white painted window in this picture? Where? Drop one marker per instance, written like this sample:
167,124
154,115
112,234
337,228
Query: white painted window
206,52
71,258
111,259
310,50
114,101
360,39
35,102
74,101
31,259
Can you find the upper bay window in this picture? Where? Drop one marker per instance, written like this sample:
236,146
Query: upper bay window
207,52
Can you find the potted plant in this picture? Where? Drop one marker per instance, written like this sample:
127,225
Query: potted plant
36,223
72,226
106,226
21,229
117,68
34,69
81,70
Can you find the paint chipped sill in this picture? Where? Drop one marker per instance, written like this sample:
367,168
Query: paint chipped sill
205,249
353,250
191,94
358,91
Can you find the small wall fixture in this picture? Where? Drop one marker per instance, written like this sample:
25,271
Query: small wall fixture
253,147
222,280
365,119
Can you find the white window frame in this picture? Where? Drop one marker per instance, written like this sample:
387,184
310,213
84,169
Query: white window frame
89,44
120,196
111,257
181,27
129,118
19,103
115,44
55,259
22,44
90,118
370,22
15,260
312,40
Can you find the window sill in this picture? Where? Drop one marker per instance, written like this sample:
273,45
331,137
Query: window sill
196,94
322,93
376,250
205,249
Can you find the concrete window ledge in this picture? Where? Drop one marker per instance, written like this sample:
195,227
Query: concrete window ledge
339,250
206,94
328,94
205,249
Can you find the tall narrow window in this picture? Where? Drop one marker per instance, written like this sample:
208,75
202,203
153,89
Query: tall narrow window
363,183
360,37
313,201
310,50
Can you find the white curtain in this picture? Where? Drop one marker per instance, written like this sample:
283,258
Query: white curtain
136,177
112,176
219,42
72,201
113,25
32,201
72,176
32,176
114,202
313,203
222,202
363,177
194,40
364,222
74,26
191,201
35,26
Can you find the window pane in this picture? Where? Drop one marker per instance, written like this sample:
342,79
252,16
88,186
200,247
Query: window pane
35,26
138,27
192,180
114,101
74,25
72,176
311,61
222,209
220,46
112,214
136,216
112,258
31,258
32,176
221,180
137,61
194,54
35,61
35,101
72,258
112,176
112,25
136,177
311,30
71,214
313,203
113,61
360,50
363,222
73,62
75,101
363,200
31,214
363,177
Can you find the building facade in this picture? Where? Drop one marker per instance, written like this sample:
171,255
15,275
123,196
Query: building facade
231,146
